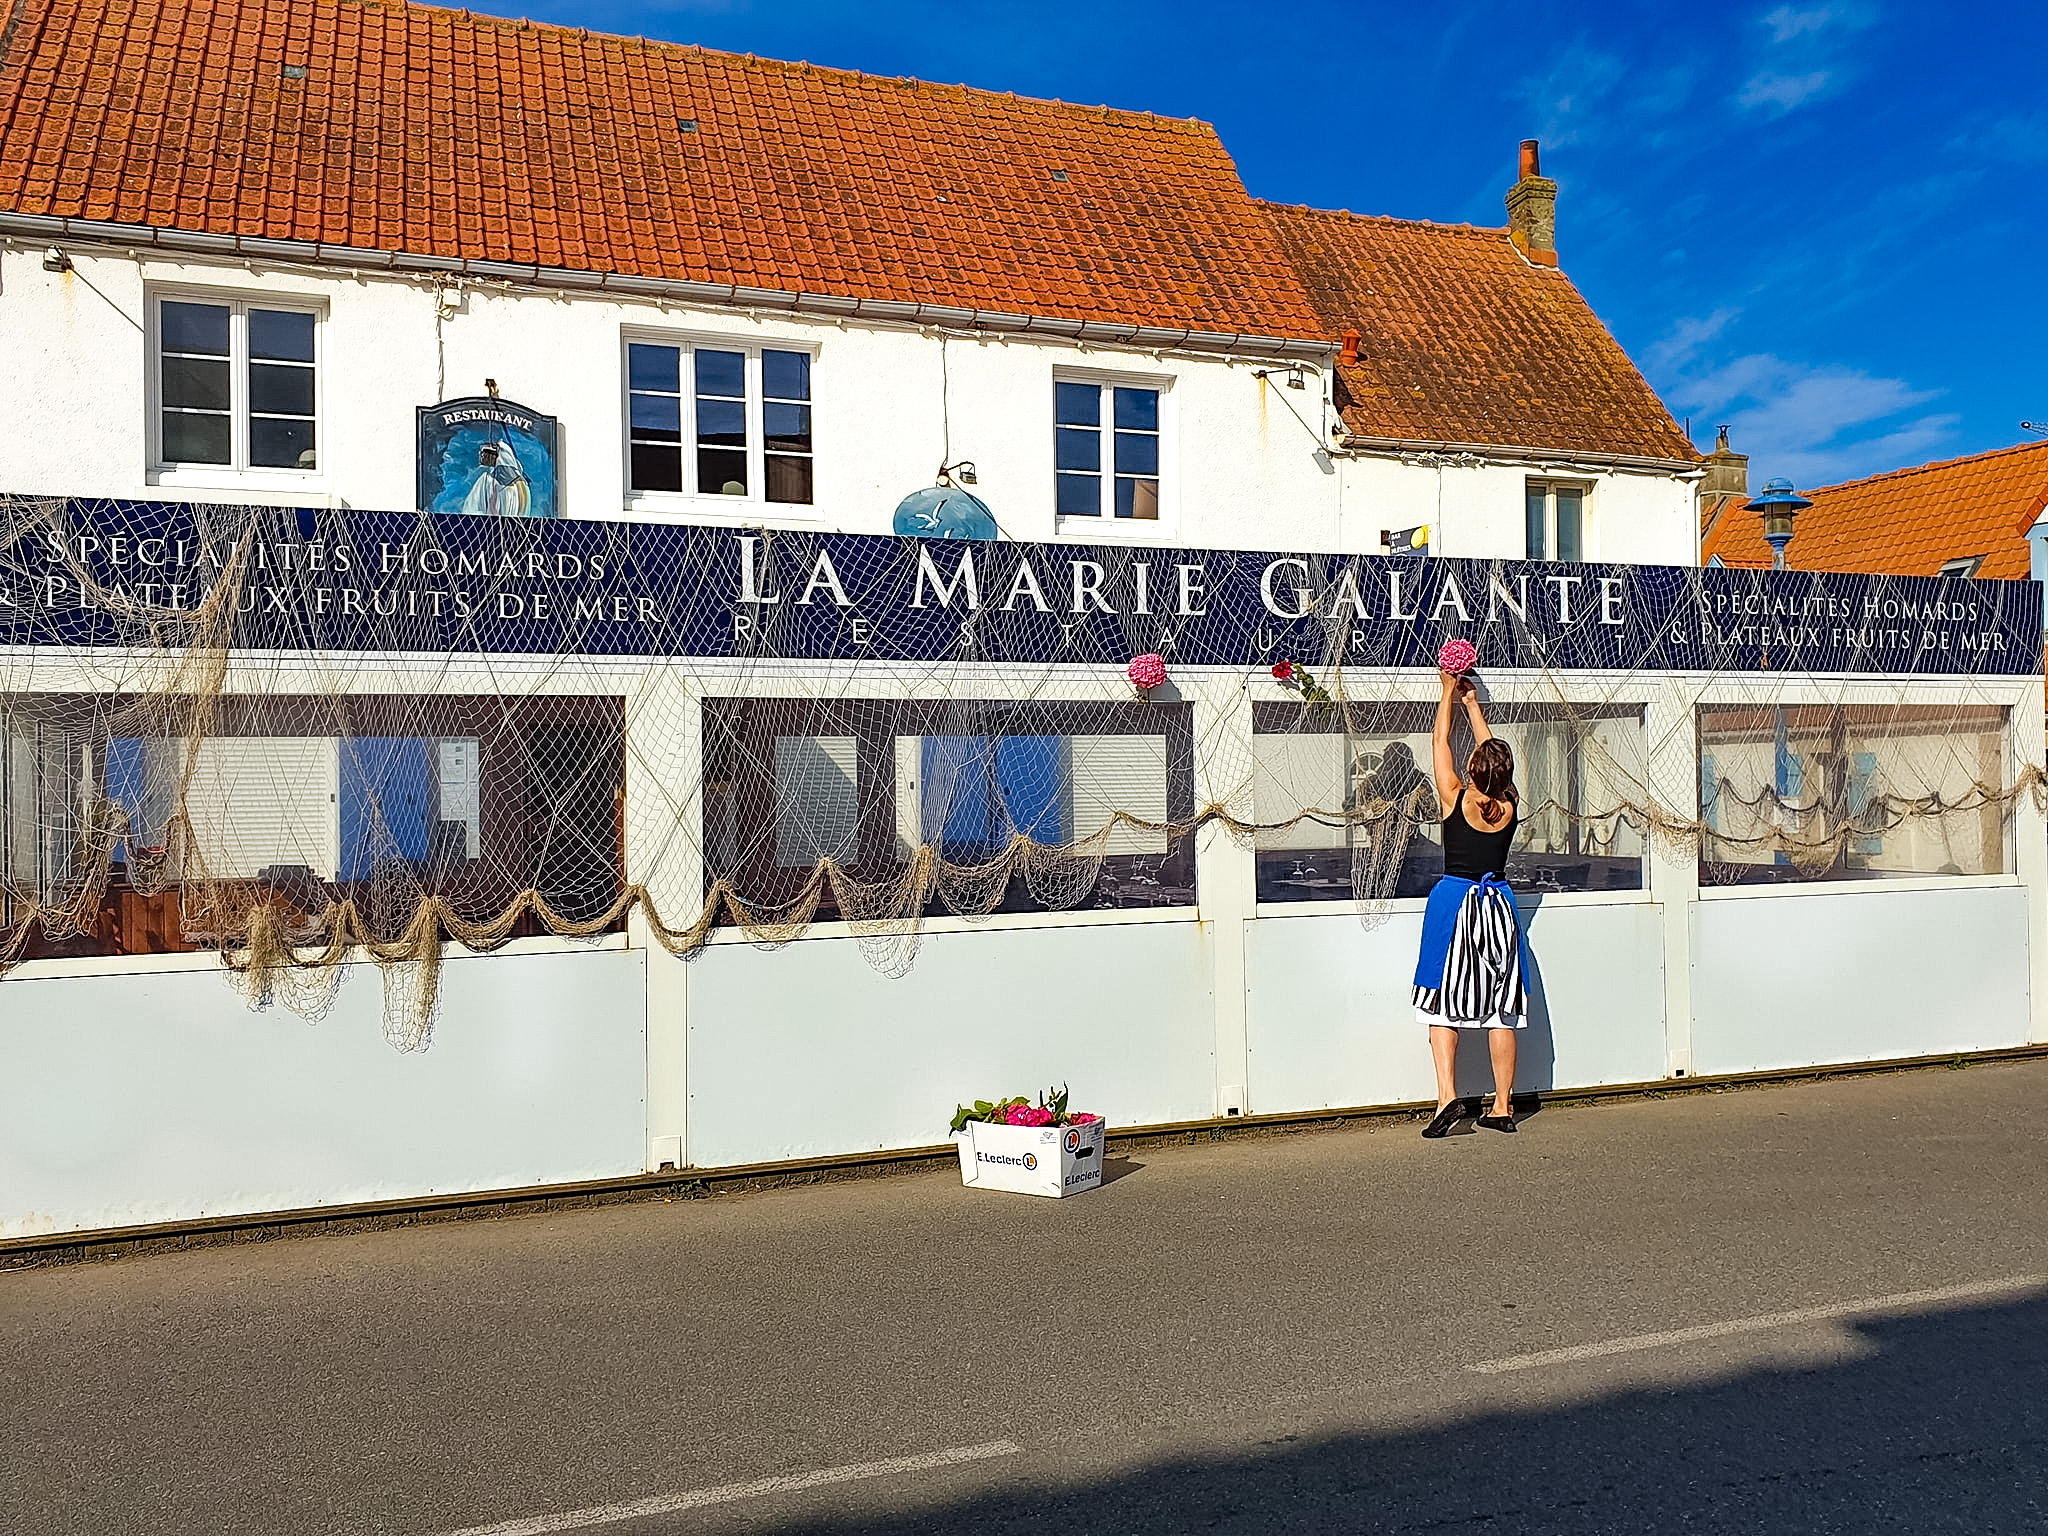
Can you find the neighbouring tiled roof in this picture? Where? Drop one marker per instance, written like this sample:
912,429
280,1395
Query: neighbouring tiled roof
1462,340
1909,522
448,134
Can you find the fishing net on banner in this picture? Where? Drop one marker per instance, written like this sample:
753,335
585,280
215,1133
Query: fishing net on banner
305,738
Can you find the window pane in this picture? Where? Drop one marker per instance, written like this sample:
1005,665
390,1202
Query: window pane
657,467
722,423
1856,792
787,427
1077,448
650,367
1570,513
1078,405
196,384
1328,827
1137,453
786,375
1539,514
721,472
280,389
789,480
721,373
195,328
281,334
281,442
190,439
659,417
1138,409
1078,495
1138,499
817,812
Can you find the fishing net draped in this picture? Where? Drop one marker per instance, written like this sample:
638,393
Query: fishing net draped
275,735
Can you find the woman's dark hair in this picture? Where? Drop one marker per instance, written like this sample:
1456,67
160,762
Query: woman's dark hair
1493,772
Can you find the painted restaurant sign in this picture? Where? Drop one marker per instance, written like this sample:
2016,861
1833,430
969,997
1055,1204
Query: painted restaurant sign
348,580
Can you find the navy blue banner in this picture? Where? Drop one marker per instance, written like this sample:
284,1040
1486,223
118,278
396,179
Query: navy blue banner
351,581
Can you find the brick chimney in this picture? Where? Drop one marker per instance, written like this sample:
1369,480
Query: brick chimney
1724,486
1727,471
1532,211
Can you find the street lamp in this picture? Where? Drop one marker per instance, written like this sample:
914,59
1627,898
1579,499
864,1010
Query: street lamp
1779,505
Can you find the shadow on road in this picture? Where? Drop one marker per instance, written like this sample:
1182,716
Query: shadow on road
1942,1426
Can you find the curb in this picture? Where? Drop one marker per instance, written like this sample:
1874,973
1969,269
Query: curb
66,1248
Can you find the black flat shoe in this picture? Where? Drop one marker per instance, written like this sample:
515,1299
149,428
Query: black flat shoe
1498,1122
1446,1117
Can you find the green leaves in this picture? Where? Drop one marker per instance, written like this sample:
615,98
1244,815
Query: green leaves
1054,1099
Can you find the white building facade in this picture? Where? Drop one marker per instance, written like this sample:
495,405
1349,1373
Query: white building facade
1150,374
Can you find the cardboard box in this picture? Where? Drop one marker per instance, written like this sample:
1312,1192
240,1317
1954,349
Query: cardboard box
1053,1160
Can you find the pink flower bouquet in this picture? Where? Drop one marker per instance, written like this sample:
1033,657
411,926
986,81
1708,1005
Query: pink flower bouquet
1146,672
1457,657
1051,1109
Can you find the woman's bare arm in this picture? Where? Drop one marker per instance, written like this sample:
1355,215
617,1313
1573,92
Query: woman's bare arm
1474,712
1445,765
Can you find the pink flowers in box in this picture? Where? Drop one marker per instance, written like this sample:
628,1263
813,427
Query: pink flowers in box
1146,672
1051,1109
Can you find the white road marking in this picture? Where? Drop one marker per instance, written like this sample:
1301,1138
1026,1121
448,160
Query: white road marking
760,1487
1758,1324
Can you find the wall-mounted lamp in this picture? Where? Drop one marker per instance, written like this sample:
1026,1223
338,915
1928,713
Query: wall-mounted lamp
491,388
55,260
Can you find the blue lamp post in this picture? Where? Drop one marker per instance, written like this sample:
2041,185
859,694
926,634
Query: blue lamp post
1779,505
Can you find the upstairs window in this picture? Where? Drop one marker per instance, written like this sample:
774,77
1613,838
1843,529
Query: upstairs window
1556,521
1106,451
237,385
1964,566
706,420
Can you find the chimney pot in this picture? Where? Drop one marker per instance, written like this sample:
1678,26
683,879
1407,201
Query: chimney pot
1350,353
1532,210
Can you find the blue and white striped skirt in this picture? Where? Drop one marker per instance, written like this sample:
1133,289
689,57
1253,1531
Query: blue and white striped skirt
1469,973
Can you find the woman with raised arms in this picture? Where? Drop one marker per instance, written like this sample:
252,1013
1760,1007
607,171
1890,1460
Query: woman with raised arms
1469,974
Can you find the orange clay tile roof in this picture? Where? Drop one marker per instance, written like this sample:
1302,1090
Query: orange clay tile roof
1909,522
1461,340
442,133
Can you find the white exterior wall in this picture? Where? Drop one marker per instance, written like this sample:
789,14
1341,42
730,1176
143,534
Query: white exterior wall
1239,454
141,1089
1475,509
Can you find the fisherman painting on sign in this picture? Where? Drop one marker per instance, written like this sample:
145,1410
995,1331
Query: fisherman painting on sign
500,488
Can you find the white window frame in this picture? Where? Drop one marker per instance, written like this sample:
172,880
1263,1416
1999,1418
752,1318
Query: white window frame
1106,522
238,473
1550,486
696,505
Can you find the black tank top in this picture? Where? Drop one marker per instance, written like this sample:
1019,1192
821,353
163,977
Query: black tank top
1470,853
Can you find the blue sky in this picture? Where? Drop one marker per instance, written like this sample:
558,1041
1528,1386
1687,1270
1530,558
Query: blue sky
1822,222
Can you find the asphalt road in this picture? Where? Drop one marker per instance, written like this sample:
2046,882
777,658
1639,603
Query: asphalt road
1812,1308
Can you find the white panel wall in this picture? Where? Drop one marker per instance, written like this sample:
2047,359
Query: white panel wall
1796,980
127,1099
1332,1026
806,1051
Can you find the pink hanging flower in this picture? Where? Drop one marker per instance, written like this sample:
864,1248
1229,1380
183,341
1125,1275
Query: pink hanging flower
1457,657
1146,672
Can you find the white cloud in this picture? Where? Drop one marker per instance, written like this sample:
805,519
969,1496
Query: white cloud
1807,56
1792,21
1567,98
1784,92
1817,425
